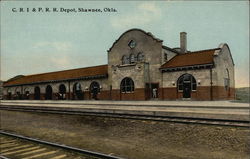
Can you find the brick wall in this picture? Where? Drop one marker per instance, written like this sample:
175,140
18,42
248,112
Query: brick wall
138,94
202,93
169,93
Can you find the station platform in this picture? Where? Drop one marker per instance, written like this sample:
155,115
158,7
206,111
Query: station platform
218,110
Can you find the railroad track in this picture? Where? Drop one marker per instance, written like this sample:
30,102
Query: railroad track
176,119
14,146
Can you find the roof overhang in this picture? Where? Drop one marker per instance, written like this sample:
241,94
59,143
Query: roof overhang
182,68
62,80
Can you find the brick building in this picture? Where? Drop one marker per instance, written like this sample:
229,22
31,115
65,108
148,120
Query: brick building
139,67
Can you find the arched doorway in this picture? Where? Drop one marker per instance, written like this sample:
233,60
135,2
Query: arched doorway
94,89
9,94
18,94
62,92
186,84
77,92
37,93
49,92
26,93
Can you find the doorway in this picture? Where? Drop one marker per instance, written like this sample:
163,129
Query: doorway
187,89
152,91
37,93
48,94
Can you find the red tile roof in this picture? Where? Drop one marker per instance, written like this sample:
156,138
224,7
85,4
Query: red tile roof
60,75
190,59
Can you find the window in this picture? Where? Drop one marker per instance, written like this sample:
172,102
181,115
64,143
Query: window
227,80
127,85
140,56
187,80
132,44
132,58
125,60
165,56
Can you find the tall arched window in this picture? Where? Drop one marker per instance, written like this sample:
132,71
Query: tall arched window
127,85
125,60
139,56
186,79
227,79
132,58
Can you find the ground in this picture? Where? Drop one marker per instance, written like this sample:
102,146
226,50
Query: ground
243,94
133,139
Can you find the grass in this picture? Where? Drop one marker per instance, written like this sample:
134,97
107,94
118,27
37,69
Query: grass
243,95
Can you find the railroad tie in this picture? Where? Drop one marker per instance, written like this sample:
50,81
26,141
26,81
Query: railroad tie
59,157
23,150
8,145
7,141
42,154
14,148
31,152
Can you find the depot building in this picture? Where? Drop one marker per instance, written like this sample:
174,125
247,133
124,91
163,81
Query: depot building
139,67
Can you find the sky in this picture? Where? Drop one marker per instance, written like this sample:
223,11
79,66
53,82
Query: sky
37,42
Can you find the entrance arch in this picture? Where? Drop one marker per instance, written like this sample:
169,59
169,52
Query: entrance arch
37,94
9,94
49,92
186,84
94,89
26,93
77,91
62,92
18,94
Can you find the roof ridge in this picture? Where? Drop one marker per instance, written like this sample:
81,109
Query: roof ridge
62,70
196,52
205,50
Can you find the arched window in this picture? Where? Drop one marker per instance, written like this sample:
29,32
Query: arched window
139,56
227,79
186,80
132,58
37,93
127,85
62,92
125,60
48,94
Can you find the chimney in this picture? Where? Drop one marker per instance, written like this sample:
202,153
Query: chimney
183,42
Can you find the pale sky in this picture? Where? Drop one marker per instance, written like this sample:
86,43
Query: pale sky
37,42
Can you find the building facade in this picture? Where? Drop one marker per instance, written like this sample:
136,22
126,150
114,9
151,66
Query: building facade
139,67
